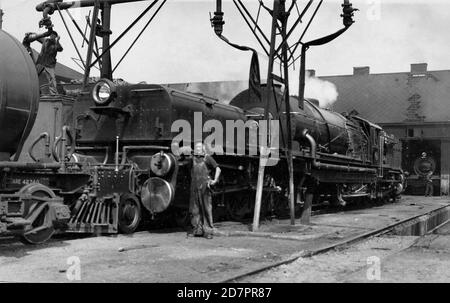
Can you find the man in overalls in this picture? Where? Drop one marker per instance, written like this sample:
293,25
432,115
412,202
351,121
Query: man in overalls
429,184
46,62
200,204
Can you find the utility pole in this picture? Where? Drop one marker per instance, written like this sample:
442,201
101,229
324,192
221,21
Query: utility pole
266,99
1,18
285,65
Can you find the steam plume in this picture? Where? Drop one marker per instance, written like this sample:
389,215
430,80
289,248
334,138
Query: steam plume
324,91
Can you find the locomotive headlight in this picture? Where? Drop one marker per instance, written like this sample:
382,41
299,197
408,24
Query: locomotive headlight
103,92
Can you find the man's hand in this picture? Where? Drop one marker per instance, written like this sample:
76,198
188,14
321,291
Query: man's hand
212,182
184,151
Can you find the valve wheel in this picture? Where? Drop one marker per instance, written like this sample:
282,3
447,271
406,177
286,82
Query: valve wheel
130,214
40,231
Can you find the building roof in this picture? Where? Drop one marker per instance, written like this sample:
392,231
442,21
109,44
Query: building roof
416,96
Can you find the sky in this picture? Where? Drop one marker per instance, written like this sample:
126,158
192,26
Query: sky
180,45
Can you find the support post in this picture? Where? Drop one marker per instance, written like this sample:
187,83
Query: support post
266,97
301,93
306,213
106,71
288,112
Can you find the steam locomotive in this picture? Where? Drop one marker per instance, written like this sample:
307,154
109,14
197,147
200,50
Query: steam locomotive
114,162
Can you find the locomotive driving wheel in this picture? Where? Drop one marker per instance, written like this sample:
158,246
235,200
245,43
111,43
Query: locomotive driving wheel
41,227
129,213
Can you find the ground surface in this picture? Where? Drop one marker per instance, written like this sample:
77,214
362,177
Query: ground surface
386,259
169,256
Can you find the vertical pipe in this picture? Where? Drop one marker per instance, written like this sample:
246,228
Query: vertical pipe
219,6
106,71
381,157
55,120
301,94
62,157
288,114
267,97
117,154
1,18
91,45
306,214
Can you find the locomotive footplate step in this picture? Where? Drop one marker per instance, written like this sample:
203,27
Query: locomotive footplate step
171,256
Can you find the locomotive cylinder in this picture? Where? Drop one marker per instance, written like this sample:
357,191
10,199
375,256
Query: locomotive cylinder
19,95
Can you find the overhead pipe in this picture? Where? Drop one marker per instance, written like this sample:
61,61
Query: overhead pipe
54,4
320,165
116,158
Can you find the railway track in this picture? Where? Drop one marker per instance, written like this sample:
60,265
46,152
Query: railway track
158,226
237,255
438,218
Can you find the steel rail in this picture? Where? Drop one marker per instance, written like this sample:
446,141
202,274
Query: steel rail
327,248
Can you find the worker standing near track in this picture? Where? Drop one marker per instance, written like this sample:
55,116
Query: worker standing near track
429,184
200,203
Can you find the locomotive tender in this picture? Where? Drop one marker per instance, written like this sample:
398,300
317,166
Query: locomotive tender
113,164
